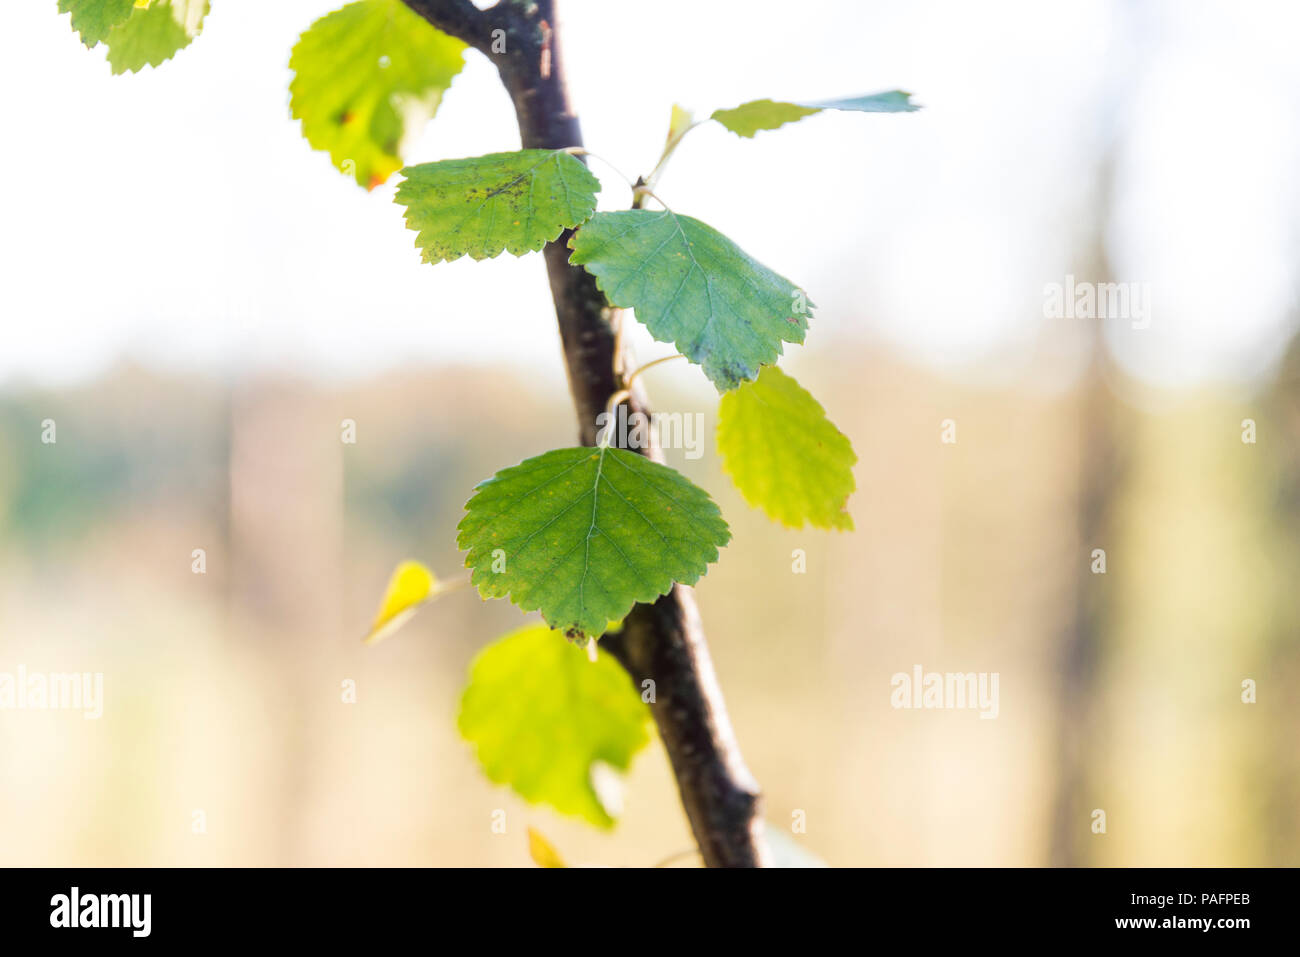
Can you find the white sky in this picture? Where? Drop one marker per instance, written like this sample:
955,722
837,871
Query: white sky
177,217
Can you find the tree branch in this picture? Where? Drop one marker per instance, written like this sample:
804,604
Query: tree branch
459,18
663,642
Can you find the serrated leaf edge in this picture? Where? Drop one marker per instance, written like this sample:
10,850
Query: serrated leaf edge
805,521
778,350
649,591
516,249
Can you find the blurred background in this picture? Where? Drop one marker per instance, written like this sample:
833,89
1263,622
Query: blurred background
198,300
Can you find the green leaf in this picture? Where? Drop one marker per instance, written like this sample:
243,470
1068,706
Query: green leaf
784,455
153,34
93,19
542,851
139,33
749,118
517,201
583,534
366,78
693,286
541,715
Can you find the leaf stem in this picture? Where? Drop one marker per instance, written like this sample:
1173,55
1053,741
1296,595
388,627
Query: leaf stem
626,392
644,190
627,383
618,320
583,151
669,148
603,440
455,584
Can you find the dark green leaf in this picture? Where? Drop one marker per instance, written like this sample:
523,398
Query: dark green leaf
694,287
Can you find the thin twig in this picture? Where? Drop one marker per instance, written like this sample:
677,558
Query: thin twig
627,383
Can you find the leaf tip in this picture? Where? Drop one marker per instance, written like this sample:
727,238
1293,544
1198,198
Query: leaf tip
542,851
411,585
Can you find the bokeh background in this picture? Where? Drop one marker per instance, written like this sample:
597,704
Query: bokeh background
198,299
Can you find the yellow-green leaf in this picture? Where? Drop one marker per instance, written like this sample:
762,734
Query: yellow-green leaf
410,586
366,78
756,115
542,851
516,201
93,19
154,33
679,122
784,455
541,717
138,33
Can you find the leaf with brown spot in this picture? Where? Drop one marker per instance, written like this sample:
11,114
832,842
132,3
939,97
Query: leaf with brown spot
517,202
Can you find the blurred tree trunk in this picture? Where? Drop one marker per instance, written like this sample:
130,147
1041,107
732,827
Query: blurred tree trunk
286,568
1082,646
1278,678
